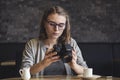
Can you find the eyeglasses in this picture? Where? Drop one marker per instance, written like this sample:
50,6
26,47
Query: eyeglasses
53,24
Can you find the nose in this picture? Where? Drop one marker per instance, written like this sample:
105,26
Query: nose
56,27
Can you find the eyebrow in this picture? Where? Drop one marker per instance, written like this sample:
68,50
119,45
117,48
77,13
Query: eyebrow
55,22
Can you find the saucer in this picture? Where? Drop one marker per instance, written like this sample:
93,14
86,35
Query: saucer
93,76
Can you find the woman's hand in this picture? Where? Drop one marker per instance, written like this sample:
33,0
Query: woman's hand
74,59
73,64
50,57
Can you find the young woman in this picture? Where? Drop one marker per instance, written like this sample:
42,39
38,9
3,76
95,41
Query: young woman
38,54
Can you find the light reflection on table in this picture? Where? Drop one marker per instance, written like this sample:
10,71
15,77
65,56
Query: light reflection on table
56,77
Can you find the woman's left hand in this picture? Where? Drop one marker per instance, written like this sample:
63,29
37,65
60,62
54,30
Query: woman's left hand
74,58
73,64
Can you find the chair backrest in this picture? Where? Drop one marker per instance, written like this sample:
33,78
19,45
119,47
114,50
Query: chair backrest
116,60
99,57
10,59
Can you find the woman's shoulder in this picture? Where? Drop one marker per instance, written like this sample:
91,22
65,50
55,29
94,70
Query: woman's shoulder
73,41
33,41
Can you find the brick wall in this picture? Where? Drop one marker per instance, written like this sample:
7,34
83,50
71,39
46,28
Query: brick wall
91,20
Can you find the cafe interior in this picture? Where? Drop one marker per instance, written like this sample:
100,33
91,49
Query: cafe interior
95,25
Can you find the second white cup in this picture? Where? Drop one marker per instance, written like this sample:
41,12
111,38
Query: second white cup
88,72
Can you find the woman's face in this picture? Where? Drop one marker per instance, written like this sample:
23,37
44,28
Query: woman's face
55,26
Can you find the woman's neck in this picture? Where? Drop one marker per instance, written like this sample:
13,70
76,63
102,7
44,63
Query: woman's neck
50,42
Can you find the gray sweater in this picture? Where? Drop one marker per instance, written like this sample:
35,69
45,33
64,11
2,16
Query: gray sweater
34,52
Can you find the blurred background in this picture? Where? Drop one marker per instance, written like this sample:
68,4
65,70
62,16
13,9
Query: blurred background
95,25
91,20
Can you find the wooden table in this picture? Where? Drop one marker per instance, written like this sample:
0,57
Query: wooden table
55,77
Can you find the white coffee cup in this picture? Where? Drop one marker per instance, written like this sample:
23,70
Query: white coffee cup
88,72
25,73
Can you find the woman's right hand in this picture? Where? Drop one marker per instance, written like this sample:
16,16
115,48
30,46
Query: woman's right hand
50,57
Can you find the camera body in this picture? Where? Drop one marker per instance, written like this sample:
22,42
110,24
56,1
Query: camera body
64,51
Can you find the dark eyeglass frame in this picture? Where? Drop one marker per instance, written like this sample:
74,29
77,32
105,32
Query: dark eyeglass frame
61,26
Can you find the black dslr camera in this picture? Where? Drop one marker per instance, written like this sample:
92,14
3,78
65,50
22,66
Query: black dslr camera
64,51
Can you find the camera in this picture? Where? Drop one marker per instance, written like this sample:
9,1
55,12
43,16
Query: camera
64,51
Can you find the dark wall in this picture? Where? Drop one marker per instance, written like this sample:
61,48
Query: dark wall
91,20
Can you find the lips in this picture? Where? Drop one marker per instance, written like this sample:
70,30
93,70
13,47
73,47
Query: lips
56,34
